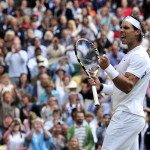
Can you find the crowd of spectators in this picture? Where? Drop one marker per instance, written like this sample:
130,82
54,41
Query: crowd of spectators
46,102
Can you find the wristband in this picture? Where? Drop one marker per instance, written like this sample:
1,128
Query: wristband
112,73
107,89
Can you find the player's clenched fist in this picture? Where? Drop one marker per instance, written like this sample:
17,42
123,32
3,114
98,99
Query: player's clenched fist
103,62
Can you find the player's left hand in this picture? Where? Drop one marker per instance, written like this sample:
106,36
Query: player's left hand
103,62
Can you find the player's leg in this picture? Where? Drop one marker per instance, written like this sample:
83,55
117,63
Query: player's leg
135,145
122,131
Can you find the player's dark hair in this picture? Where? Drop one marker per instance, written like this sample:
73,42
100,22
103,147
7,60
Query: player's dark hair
142,27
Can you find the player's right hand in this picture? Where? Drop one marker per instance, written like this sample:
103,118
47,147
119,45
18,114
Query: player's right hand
94,81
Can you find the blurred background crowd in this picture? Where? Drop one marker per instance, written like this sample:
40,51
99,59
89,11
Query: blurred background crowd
46,102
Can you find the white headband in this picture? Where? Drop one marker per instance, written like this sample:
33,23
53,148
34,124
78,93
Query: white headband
134,22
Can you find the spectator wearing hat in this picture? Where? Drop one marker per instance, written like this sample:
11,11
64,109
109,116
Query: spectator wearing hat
16,61
14,136
73,87
36,62
72,102
39,138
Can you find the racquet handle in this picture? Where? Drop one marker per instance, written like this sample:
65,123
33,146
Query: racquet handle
94,90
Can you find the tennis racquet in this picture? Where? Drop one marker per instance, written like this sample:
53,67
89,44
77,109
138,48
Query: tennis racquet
87,55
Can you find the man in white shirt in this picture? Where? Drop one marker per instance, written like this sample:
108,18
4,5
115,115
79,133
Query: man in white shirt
130,82
16,61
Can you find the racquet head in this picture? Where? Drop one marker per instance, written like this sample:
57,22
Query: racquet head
87,55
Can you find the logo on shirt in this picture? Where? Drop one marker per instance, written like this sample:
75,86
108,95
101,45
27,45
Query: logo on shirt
143,75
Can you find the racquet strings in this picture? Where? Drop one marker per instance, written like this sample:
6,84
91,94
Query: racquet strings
87,55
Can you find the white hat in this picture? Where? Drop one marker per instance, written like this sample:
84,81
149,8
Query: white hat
72,84
38,119
42,64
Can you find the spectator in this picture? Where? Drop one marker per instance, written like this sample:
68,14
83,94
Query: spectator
36,62
48,37
10,10
9,37
81,131
97,121
47,31
58,138
73,144
48,110
5,84
24,85
37,45
55,50
115,54
27,106
126,10
89,117
38,86
39,138
24,7
2,70
14,136
103,42
6,106
147,135
73,102
7,121
28,123
64,10
48,91
16,61
100,131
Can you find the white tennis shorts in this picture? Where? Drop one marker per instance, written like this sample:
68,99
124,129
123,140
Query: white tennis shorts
122,132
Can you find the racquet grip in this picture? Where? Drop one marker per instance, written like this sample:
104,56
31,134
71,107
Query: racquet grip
95,95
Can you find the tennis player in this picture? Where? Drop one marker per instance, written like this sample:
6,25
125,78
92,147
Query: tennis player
130,81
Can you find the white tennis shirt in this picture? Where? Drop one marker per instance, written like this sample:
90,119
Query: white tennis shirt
136,62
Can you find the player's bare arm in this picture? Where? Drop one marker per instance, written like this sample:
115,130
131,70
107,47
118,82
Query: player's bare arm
125,82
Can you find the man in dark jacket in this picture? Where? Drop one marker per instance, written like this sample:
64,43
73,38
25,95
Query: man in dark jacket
147,134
